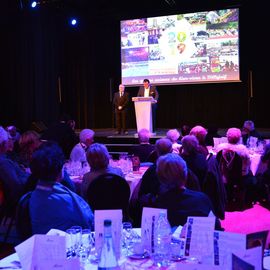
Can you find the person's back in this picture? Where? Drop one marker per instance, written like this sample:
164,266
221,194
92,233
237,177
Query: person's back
12,176
98,159
78,152
144,149
174,196
51,204
55,206
182,203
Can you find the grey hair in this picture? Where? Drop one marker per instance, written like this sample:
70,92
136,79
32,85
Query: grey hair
86,134
200,132
172,170
233,135
98,156
163,146
190,144
144,135
173,135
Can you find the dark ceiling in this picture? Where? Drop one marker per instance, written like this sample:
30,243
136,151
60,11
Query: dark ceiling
121,9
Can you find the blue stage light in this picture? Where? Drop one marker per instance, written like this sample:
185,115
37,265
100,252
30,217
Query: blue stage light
34,4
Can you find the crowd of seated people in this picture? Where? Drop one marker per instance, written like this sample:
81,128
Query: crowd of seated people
175,181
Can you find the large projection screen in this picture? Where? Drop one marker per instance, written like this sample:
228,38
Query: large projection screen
201,47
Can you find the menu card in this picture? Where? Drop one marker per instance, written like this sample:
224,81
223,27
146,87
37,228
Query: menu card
199,238
226,243
116,217
149,218
252,258
39,249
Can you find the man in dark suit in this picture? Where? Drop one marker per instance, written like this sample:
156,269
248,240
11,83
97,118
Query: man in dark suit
120,102
148,90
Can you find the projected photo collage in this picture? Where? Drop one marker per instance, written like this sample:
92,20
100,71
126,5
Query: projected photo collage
185,48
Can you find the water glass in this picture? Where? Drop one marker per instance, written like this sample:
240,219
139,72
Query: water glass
73,240
177,249
87,245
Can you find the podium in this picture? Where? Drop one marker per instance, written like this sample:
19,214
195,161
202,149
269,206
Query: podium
143,111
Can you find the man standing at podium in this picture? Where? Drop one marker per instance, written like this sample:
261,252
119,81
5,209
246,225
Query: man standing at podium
148,90
120,102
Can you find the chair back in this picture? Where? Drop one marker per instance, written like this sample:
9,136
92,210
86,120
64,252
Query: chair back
230,164
23,220
109,191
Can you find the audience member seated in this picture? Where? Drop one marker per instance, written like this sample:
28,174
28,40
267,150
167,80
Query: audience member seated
175,197
98,159
52,205
150,184
13,134
28,143
144,149
185,129
62,133
195,160
78,152
12,176
249,130
173,135
32,180
229,152
212,132
200,133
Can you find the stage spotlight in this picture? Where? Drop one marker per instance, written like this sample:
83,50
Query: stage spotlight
34,4
73,22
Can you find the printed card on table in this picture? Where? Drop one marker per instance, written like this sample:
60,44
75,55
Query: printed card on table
226,243
59,264
40,248
199,238
116,217
149,217
251,257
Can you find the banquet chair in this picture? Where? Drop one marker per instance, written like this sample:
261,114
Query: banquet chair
7,216
109,191
23,220
230,164
214,187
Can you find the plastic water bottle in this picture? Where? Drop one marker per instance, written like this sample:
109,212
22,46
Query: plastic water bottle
108,260
162,241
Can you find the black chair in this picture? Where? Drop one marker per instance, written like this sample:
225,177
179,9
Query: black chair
109,191
230,164
7,215
214,187
23,220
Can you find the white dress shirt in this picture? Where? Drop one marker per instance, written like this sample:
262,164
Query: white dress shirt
146,92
